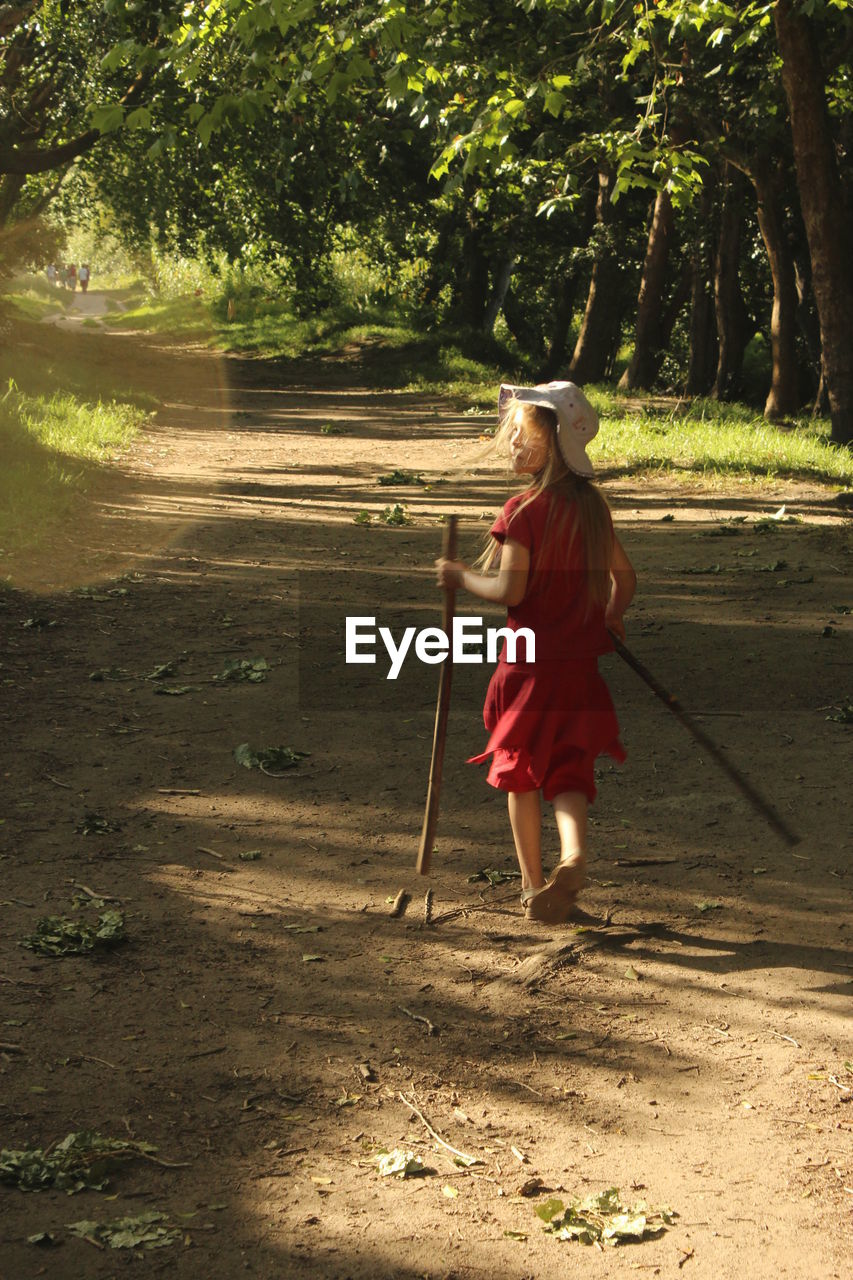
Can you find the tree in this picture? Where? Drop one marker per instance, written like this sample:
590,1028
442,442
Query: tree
827,221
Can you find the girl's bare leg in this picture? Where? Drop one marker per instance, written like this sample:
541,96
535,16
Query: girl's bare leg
525,817
570,811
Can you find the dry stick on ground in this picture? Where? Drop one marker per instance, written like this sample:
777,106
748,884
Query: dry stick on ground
200,848
432,1029
480,906
759,804
105,897
461,1154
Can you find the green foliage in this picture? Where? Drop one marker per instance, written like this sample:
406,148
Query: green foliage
292,162
270,760
395,516
398,477
603,1219
252,669
60,936
144,1230
81,1161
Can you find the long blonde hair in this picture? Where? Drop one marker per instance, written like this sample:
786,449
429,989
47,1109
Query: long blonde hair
577,504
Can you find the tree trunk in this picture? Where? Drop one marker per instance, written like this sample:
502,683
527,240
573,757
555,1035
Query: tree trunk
820,408
822,203
783,397
562,322
473,294
648,350
807,320
499,288
11,185
602,313
520,325
729,306
703,333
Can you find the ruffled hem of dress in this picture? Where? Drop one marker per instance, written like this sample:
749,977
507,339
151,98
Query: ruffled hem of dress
614,749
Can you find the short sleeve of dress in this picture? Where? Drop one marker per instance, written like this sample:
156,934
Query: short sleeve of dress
518,527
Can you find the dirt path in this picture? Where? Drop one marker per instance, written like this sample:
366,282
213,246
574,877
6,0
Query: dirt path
686,1043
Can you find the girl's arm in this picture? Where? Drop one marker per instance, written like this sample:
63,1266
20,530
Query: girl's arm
507,586
623,584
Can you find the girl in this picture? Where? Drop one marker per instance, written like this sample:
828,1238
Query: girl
563,574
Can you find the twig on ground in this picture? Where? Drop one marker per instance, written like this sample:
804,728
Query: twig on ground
165,1164
207,1053
643,862
528,1087
65,785
200,848
461,1154
5,1047
178,791
480,906
92,893
428,897
790,1039
432,1029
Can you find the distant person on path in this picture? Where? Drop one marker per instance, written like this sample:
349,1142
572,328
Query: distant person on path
71,277
51,274
565,578
83,276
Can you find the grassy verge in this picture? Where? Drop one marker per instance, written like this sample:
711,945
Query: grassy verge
60,421
51,448
705,441
187,317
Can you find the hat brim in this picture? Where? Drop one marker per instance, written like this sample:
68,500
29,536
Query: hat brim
572,451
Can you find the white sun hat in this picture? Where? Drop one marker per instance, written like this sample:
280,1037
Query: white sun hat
577,421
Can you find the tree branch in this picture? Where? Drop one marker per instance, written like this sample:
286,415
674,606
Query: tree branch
13,16
14,160
40,160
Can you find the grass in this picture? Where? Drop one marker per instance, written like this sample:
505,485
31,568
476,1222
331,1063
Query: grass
65,425
51,446
704,440
187,317
60,420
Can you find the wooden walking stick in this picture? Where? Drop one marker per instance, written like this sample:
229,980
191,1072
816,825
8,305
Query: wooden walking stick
448,550
745,788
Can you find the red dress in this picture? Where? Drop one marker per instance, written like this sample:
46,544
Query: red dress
549,719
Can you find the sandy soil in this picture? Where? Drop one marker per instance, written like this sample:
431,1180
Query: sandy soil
267,1021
